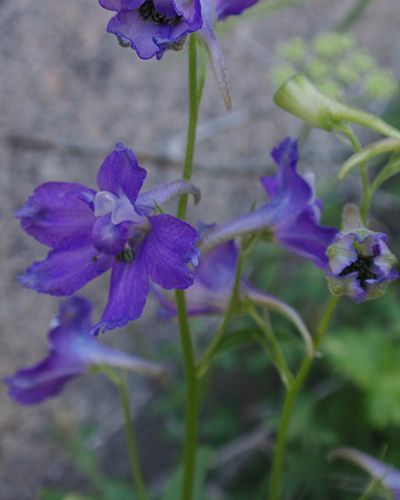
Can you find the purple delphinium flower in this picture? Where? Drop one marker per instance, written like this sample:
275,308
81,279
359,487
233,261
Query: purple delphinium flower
213,285
89,232
360,263
291,216
72,350
150,27
386,474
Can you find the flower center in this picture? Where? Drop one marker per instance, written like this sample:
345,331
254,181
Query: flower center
362,266
120,208
148,11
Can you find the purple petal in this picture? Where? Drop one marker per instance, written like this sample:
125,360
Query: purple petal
191,11
109,238
207,34
43,380
58,214
168,249
64,272
129,288
148,201
290,194
307,238
217,267
147,38
120,171
225,8
118,5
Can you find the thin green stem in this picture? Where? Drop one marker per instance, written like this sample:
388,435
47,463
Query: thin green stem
192,399
213,347
277,356
355,13
366,185
131,440
194,104
290,399
189,361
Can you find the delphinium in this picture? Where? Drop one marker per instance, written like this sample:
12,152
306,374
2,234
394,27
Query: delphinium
196,269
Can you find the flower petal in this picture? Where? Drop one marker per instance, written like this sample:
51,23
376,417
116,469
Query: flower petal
118,5
208,36
225,8
120,171
307,238
168,249
149,200
65,271
129,288
217,267
109,238
58,214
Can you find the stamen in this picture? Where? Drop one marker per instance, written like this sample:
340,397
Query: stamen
362,266
126,255
148,11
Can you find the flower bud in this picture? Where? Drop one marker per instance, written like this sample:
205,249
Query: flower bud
299,96
361,265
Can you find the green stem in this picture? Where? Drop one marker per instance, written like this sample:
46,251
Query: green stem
192,399
355,13
276,354
131,440
290,399
194,104
213,347
366,185
189,361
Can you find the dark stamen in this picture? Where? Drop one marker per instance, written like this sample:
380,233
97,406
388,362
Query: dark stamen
148,11
362,266
126,255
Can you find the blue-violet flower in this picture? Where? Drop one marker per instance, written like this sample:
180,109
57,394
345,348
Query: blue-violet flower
291,216
72,350
360,263
90,232
150,27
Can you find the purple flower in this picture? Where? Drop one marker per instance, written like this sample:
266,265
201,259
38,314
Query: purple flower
386,474
90,232
72,350
150,27
360,263
291,216
213,285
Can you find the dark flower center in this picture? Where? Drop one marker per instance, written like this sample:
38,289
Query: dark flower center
148,11
126,255
362,266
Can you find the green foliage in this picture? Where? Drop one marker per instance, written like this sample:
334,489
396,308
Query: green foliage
337,66
369,359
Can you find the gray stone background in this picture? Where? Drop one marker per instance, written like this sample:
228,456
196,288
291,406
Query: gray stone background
68,92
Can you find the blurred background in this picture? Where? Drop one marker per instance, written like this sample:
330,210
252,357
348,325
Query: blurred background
68,92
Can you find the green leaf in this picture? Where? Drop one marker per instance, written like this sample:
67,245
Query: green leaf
173,490
50,494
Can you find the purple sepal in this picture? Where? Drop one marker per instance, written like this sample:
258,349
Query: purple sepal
291,216
72,349
120,171
225,8
58,214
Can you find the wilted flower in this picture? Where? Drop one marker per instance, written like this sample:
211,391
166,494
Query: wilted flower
386,474
72,350
291,216
116,227
360,263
